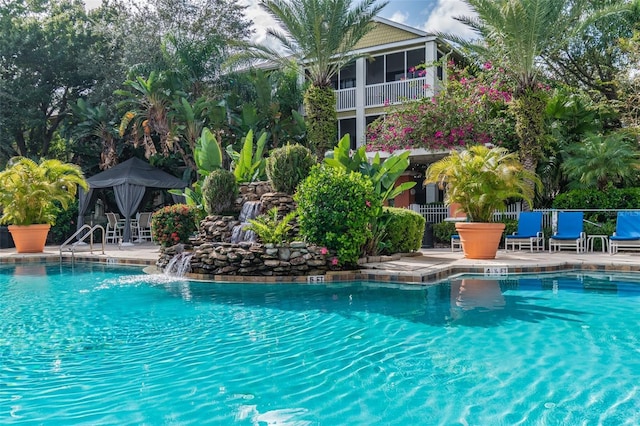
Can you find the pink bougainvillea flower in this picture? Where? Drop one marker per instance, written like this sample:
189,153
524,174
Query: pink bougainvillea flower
368,203
324,250
334,261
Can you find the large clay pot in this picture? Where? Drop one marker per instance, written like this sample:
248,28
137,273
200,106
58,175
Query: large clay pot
480,240
30,238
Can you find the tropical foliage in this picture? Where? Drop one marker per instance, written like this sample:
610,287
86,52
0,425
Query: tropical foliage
516,35
34,193
603,161
320,34
481,180
249,165
270,229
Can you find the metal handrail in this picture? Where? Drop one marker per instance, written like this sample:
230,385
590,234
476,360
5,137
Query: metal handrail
90,230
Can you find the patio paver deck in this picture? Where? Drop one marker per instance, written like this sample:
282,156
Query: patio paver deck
427,266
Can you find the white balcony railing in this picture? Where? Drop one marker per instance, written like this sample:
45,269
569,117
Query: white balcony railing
346,99
397,91
385,93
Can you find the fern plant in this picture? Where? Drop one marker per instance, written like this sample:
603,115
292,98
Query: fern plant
269,229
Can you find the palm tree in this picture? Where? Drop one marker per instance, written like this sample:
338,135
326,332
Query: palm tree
601,160
320,35
515,34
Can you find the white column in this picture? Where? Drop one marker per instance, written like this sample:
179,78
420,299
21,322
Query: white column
361,79
431,56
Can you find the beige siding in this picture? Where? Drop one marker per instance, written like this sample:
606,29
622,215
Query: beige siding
383,34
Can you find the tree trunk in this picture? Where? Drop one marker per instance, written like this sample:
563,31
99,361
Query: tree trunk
321,119
528,109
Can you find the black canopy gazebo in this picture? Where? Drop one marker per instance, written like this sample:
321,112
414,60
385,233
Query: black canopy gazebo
129,181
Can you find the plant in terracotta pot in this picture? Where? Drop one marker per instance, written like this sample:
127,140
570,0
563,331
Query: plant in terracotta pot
31,194
481,180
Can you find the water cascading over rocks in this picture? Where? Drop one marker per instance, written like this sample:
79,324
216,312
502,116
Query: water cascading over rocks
216,251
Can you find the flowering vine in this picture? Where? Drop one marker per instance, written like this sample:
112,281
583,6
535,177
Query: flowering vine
472,109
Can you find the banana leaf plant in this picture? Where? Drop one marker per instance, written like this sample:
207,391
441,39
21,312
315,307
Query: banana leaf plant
383,174
249,166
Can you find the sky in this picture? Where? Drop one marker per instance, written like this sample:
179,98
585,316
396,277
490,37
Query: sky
427,15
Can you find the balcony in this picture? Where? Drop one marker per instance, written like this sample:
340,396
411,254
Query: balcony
377,95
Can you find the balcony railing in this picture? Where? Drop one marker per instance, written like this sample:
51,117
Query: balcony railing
346,99
396,92
385,93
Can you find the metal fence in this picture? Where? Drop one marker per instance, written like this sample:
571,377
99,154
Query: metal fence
437,213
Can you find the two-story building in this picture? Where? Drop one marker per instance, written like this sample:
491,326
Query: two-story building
389,74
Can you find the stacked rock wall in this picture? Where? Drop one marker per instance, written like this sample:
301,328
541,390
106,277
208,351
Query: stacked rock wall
252,259
213,253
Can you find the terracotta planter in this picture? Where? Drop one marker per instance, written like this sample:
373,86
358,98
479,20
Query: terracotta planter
29,239
480,240
456,211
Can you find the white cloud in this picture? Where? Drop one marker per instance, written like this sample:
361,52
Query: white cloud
400,17
92,4
261,22
441,18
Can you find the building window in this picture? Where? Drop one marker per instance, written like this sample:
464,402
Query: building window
348,76
395,67
375,70
439,68
370,119
414,58
348,126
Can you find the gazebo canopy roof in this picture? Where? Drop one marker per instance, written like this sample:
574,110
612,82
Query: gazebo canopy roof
137,172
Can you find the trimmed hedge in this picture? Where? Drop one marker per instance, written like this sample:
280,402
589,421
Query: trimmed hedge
219,191
614,198
404,232
443,231
289,165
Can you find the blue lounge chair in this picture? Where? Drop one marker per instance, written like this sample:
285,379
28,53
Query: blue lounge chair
529,233
570,232
455,242
627,235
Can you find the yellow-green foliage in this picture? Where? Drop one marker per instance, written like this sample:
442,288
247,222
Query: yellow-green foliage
269,228
30,191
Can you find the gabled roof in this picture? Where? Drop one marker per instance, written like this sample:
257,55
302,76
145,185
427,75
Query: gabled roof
386,31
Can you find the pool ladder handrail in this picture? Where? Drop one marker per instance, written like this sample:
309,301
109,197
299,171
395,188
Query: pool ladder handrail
90,230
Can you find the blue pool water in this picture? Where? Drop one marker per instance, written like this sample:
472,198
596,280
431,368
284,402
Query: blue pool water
95,345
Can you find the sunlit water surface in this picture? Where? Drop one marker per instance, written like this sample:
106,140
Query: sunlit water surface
97,345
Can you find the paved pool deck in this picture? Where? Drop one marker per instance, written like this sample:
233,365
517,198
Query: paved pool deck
427,265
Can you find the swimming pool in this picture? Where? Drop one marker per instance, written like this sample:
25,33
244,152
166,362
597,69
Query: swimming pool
99,345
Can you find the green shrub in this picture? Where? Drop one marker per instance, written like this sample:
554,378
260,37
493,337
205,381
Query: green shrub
65,225
404,230
173,224
614,198
289,165
336,209
219,191
443,231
